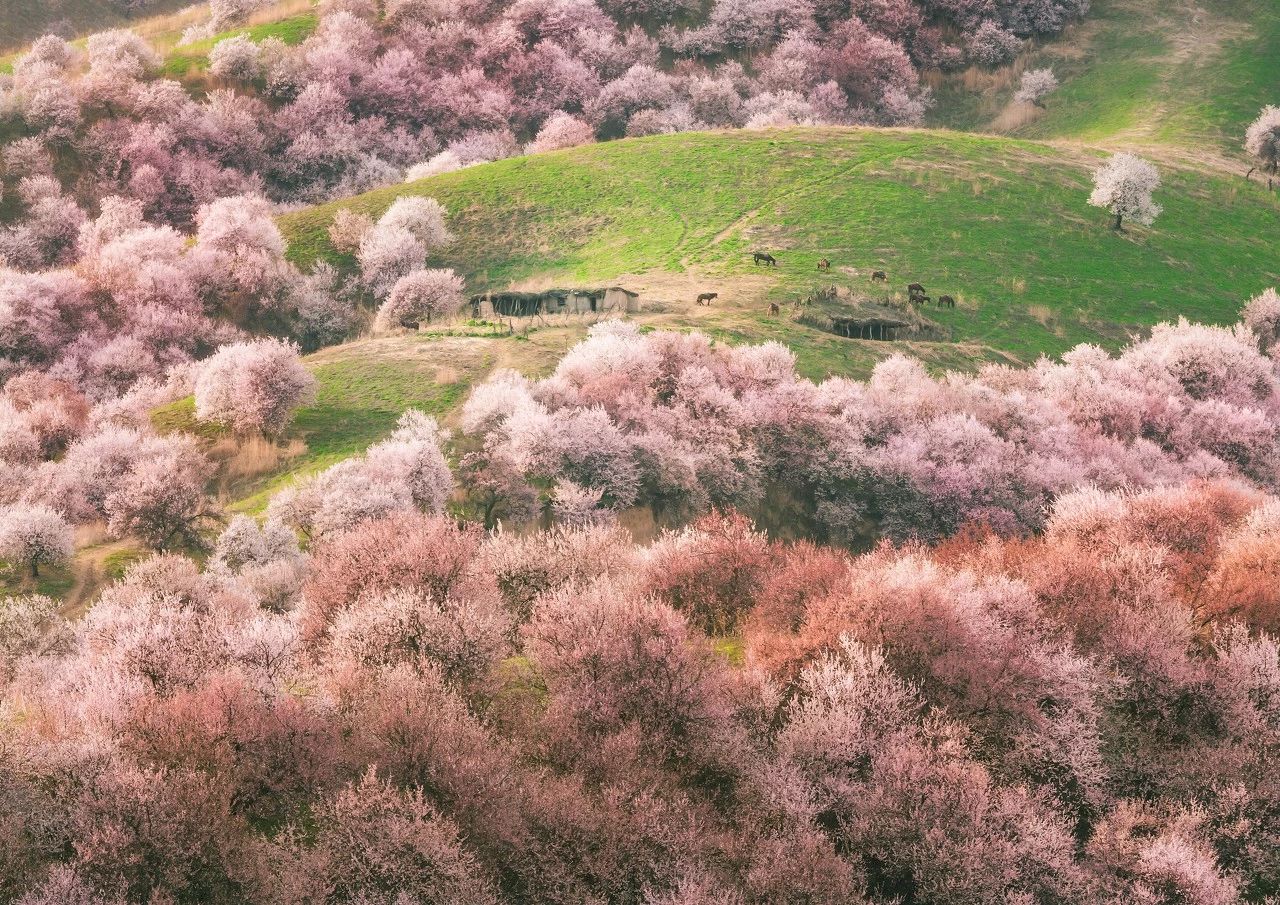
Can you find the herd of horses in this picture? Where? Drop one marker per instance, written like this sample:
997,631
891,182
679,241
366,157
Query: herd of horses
915,291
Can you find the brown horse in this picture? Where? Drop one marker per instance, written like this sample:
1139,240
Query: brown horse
915,289
946,301
824,264
706,297
763,257
879,275
774,309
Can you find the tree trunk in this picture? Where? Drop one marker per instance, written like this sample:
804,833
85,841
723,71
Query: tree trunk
1116,225
35,568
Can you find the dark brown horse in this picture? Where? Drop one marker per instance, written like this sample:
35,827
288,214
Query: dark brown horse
824,264
706,297
946,301
763,257
774,309
879,275
915,289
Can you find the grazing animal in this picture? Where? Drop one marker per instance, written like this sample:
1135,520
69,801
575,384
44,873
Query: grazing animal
946,301
879,275
921,299
824,264
768,259
706,297
774,309
915,289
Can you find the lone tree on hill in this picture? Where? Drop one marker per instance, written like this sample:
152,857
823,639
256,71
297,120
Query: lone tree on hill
1037,84
1262,142
1123,185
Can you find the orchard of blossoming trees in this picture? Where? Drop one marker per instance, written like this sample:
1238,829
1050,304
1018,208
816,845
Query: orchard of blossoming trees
379,89
417,712
683,424
127,316
1004,638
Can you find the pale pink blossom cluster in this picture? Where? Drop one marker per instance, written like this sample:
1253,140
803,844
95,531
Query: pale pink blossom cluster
253,387
679,424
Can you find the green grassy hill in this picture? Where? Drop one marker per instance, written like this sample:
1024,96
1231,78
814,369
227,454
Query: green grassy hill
1001,225
1150,73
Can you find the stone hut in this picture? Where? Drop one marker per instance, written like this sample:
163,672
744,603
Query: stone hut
868,327
513,303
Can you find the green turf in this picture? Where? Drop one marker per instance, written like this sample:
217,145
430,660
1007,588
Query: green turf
194,57
53,581
1218,100
116,564
1001,224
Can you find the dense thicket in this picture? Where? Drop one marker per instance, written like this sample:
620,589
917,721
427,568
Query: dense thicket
415,712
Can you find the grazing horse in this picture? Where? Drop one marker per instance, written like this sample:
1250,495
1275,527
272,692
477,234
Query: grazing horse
762,256
921,299
824,264
915,289
946,301
774,309
706,297
879,275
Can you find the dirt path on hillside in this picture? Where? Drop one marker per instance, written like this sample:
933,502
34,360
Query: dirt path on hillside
90,574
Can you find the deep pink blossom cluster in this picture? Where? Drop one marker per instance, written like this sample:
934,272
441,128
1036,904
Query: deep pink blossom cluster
680,424
417,712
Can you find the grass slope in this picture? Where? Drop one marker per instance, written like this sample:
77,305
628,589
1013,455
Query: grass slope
1000,224
25,20
1143,72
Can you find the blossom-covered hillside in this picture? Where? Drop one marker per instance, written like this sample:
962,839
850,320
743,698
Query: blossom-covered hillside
375,92
606,452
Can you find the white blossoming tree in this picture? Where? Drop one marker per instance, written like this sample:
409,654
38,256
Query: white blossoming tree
1124,185
34,536
1262,142
1036,85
